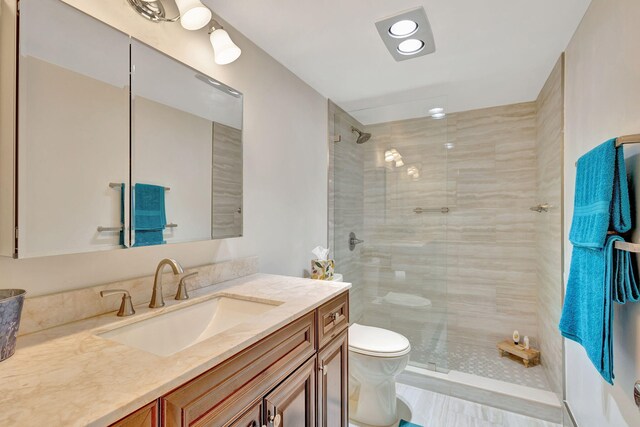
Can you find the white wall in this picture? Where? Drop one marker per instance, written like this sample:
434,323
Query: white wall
602,101
285,168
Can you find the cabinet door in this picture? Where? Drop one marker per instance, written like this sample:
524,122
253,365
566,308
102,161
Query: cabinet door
292,403
143,417
73,131
333,377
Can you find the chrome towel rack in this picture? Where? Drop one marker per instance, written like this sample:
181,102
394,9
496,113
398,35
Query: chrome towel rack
118,185
104,229
626,139
627,247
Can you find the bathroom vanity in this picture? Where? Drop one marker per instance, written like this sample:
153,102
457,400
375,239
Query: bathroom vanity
275,355
293,377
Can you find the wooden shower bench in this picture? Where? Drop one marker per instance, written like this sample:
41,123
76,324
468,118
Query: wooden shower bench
529,357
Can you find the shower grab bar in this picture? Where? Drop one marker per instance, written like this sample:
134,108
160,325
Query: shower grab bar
443,210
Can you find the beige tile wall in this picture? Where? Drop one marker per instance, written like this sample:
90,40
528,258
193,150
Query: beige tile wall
480,265
476,264
550,124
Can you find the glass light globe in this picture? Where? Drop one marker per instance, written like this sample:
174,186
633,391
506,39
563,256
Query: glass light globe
193,14
224,49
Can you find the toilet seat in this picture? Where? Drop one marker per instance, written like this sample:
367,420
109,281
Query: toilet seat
377,342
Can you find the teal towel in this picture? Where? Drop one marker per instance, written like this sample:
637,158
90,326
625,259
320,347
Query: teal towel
623,276
587,315
602,196
599,274
404,423
149,215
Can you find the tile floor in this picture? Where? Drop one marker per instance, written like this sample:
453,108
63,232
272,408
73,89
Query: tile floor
428,409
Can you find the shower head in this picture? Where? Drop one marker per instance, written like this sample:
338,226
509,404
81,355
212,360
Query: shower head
362,137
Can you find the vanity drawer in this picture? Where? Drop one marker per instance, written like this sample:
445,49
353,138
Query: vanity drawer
219,395
333,318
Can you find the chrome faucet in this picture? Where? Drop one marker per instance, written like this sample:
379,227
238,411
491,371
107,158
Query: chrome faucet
156,299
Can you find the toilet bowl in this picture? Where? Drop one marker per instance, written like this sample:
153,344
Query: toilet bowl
376,357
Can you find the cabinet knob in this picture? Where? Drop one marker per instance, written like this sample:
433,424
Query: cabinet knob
275,420
324,369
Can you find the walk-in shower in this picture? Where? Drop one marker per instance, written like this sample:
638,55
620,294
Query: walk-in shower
451,255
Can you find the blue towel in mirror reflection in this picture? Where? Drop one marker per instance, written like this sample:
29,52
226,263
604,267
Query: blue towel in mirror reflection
149,215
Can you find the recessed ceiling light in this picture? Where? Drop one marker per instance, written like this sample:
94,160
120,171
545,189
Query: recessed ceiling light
403,28
409,25
436,110
410,46
438,116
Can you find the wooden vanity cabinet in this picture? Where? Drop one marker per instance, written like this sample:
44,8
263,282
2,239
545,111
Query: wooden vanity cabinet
147,416
295,377
293,402
333,383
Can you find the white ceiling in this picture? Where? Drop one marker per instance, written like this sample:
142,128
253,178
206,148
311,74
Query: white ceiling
489,52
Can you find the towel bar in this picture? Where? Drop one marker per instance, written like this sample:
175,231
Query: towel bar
102,229
629,247
118,185
627,139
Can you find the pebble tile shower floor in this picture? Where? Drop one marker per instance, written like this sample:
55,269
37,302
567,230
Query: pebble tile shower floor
484,362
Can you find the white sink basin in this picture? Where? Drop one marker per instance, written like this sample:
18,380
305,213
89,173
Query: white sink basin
174,331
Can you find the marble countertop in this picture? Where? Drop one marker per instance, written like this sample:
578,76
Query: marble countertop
68,376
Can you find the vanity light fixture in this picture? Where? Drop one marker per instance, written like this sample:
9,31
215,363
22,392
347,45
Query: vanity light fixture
193,16
399,163
224,49
407,35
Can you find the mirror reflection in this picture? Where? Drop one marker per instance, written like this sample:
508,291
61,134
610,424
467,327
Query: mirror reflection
186,152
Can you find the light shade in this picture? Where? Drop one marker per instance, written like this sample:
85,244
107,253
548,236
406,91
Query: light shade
193,14
224,49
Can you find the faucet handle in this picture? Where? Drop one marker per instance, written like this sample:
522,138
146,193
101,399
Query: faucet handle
182,286
126,307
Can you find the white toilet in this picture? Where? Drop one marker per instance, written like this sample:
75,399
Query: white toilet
376,357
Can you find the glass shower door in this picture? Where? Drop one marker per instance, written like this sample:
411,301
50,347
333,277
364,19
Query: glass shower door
392,191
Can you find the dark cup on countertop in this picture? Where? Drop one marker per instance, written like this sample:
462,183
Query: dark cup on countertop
11,301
